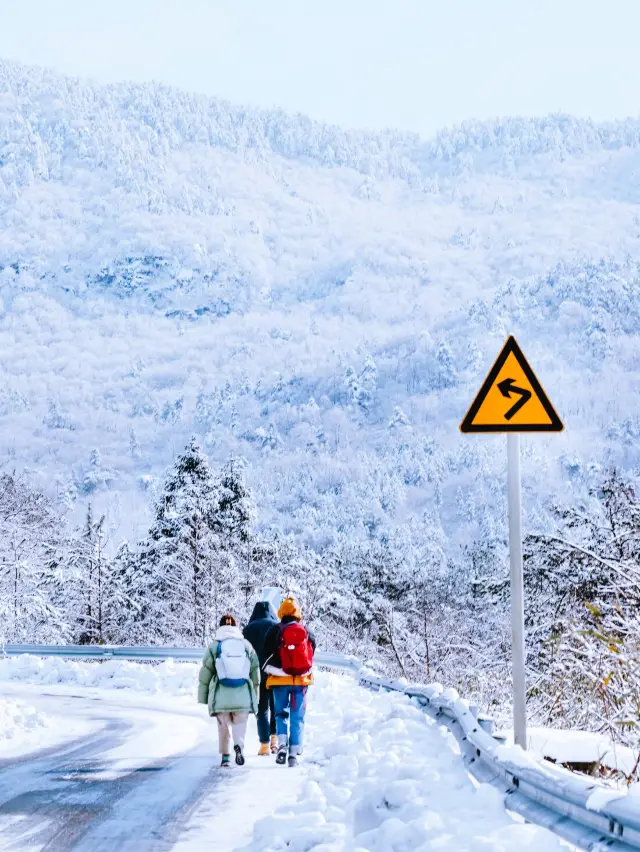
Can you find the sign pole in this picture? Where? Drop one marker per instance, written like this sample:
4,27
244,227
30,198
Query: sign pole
512,400
517,591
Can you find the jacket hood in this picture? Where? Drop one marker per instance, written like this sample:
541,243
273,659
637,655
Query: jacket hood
228,632
262,609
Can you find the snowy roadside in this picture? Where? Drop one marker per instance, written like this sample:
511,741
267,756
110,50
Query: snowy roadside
564,746
23,729
382,776
147,697
231,809
378,774
167,678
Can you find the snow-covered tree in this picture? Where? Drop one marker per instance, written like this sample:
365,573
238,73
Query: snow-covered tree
31,534
366,384
91,599
177,559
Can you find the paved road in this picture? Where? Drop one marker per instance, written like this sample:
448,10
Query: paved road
80,796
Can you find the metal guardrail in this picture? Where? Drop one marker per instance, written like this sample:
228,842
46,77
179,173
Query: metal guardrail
152,652
540,792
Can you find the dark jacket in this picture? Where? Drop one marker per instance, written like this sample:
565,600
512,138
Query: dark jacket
263,618
273,661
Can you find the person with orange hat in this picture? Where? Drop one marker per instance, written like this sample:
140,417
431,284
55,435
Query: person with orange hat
289,649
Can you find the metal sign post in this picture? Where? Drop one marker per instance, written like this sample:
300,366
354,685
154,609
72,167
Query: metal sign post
512,400
517,591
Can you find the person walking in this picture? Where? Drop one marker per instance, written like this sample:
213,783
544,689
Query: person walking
262,620
228,683
289,649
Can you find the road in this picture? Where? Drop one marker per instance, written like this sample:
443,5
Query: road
130,784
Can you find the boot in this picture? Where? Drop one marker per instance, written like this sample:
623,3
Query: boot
292,760
264,749
281,758
274,743
225,762
239,755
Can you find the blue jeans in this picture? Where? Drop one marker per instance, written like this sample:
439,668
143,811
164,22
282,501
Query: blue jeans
266,714
290,704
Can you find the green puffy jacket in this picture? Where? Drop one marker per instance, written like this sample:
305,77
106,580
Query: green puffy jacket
228,699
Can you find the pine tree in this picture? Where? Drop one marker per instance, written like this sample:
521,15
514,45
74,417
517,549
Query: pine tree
367,381
91,568
399,420
446,375
235,511
233,524
351,383
178,555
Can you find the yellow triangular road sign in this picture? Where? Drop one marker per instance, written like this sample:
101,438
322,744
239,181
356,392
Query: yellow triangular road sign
511,398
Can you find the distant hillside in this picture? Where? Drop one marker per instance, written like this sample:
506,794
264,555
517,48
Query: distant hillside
323,302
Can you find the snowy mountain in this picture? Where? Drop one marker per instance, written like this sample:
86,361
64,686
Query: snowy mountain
322,302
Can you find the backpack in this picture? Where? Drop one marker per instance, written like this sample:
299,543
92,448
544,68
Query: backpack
232,662
296,653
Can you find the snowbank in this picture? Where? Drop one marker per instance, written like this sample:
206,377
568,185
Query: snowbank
18,721
378,774
574,747
23,729
167,678
382,776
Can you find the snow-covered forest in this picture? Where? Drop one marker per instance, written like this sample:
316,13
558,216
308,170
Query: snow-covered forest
317,307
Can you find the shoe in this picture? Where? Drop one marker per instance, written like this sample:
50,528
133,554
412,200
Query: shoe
293,760
274,743
281,759
239,755
264,749
225,761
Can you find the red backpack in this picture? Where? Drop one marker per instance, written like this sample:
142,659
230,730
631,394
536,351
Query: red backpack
296,653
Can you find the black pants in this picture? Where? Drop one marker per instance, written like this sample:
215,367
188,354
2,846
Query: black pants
266,714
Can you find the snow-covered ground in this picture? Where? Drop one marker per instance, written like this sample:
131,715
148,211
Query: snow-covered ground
24,729
382,776
577,747
378,774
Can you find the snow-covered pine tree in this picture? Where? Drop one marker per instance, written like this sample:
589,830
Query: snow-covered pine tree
445,376
351,383
233,524
128,580
90,597
366,386
173,581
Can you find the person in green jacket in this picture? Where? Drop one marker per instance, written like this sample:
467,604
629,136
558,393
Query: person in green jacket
229,681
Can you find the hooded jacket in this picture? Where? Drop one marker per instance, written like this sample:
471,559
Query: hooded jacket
262,620
273,666
228,699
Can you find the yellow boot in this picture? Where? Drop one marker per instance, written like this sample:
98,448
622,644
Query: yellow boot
264,749
274,743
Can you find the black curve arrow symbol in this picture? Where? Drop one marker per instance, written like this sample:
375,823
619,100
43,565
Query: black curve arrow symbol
506,388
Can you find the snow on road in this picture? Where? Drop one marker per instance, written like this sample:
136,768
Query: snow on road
24,729
378,774
147,775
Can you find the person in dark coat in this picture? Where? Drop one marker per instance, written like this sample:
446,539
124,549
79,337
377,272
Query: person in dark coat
263,618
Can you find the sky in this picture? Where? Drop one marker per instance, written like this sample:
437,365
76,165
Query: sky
411,64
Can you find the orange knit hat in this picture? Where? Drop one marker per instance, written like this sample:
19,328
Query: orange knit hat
289,607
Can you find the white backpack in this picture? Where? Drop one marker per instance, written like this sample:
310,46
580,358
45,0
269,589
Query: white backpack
232,662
